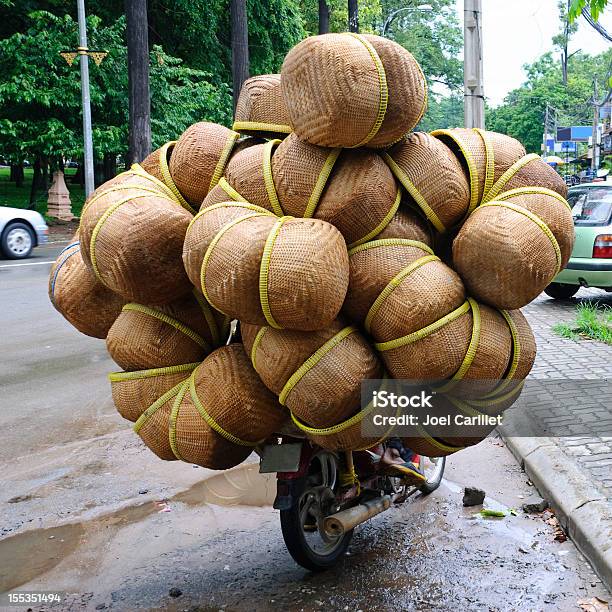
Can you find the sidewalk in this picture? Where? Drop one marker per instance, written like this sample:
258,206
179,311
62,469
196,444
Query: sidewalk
573,472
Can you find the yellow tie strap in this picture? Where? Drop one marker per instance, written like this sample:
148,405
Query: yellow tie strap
156,405
126,187
383,99
215,332
533,190
315,196
527,213
152,372
392,284
416,195
161,316
313,360
138,170
269,179
508,174
231,192
232,204
425,331
490,163
212,423
255,346
383,224
211,247
383,242
176,406
223,159
165,172
264,272
258,126
499,399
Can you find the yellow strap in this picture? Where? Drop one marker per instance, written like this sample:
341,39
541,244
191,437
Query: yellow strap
161,316
383,242
165,172
425,331
125,187
209,316
468,359
469,160
312,361
392,284
138,170
383,224
490,163
156,405
151,373
232,204
440,445
415,193
499,399
269,179
96,230
212,423
211,246
256,343
533,190
258,126
231,192
264,272
536,220
223,159
425,93
176,406
383,98
508,174
315,196
463,406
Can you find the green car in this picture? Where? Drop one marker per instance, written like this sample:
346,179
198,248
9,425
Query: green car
591,262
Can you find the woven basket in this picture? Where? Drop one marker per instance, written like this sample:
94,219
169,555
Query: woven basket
182,332
133,239
484,155
353,190
78,296
151,163
134,392
348,90
283,272
433,177
316,375
204,227
529,171
199,159
225,412
507,253
261,109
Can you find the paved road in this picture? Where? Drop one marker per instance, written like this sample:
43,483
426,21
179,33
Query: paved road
86,509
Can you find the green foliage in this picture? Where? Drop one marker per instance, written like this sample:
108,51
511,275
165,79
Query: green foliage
596,7
592,321
443,112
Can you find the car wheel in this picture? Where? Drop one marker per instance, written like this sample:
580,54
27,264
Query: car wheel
17,241
560,291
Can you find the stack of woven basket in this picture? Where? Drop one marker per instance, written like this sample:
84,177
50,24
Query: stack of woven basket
347,246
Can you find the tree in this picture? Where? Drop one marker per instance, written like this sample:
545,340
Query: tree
561,40
353,16
596,8
240,46
323,17
138,80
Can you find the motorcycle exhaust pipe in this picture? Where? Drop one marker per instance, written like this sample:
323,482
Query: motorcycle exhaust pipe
341,522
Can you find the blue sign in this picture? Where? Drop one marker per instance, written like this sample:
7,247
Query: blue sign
575,133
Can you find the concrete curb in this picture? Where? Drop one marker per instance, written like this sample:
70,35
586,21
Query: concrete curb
582,510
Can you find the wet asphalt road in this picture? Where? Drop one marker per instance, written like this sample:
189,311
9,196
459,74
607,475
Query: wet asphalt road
86,510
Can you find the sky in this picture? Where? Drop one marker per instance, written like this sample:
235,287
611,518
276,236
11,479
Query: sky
516,32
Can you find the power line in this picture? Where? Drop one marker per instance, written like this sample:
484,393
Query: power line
595,25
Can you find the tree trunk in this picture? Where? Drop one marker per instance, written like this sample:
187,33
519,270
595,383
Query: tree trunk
240,46
98,172
38,181
110,166
17,174
353,16
44,162
138,80
323,17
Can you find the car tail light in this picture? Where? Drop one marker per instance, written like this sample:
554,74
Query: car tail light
602,249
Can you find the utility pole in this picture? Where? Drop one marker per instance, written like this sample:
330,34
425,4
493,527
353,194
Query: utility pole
595,149
472,71
240,46
545,137
84,63
138,80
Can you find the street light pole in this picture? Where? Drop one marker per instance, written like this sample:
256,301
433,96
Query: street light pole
84,63
472,70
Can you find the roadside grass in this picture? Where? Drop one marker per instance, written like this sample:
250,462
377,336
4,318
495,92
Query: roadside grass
19,197
592,321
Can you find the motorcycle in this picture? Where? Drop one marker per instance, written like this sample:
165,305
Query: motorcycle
323,495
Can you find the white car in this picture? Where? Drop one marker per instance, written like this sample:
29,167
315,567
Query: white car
20,231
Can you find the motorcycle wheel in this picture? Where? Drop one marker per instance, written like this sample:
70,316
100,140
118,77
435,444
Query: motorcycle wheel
302,524
433,470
